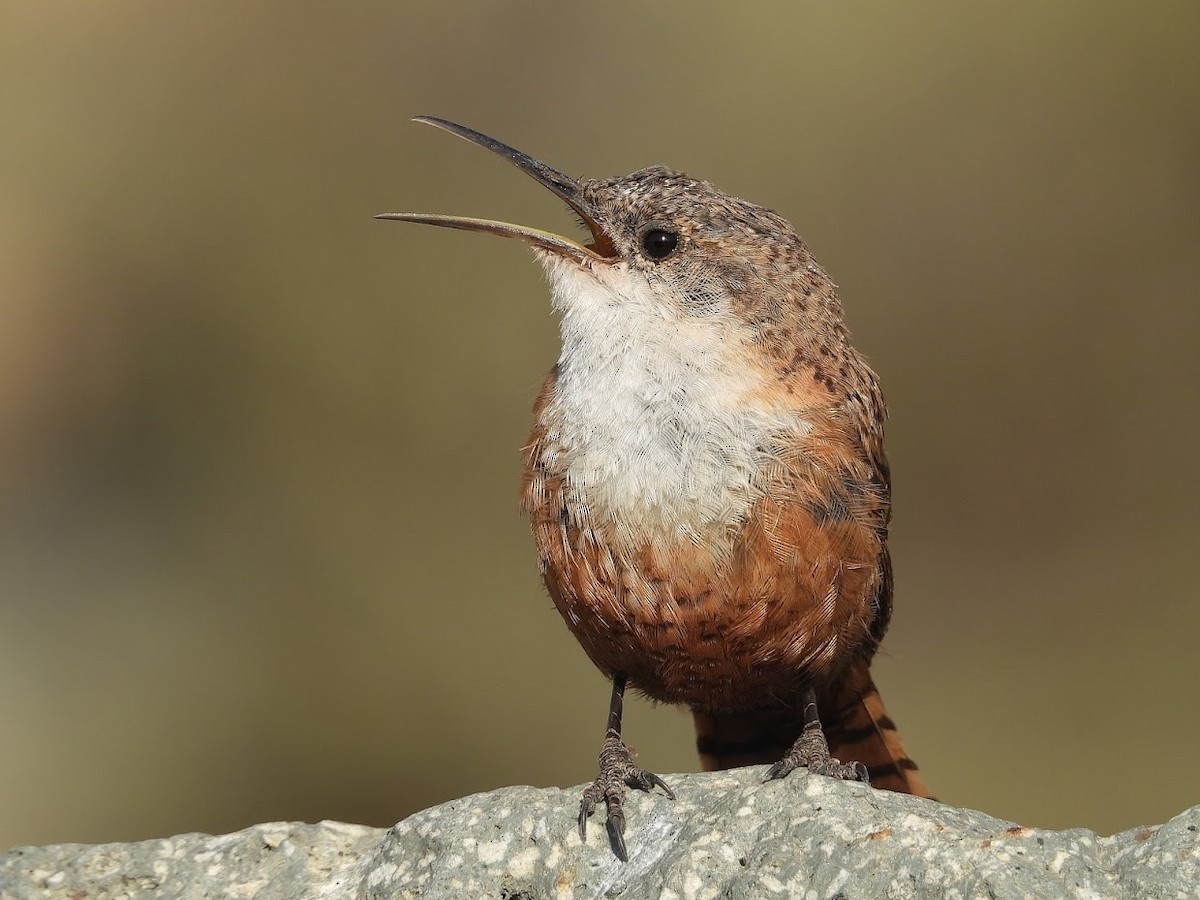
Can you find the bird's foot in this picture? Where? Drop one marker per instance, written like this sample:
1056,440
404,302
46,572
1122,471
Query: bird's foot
811,751
617,771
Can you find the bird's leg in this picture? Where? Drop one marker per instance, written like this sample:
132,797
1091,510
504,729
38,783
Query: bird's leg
811,751
617,770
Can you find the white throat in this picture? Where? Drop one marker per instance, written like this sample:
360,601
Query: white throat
655,413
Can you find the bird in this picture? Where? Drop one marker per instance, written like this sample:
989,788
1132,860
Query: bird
706,480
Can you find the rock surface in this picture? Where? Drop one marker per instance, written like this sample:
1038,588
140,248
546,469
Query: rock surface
727,835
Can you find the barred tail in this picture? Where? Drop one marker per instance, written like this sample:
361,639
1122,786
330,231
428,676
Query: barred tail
855,722
859,728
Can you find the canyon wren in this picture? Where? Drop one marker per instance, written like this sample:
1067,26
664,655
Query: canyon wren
706,479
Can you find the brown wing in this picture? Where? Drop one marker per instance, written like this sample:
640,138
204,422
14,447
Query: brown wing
866,408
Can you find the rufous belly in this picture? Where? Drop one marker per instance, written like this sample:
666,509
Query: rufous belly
741,622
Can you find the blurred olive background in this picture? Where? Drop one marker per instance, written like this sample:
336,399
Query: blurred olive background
260,554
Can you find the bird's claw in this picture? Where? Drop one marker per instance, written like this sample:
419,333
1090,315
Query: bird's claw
618,772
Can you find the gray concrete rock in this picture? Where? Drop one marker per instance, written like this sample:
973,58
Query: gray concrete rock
727,835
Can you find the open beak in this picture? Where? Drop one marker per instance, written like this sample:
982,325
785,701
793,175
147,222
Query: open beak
566,188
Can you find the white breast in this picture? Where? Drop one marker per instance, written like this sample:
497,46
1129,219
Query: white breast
657,416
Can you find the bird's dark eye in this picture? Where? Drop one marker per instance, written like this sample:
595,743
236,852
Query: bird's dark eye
659,244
